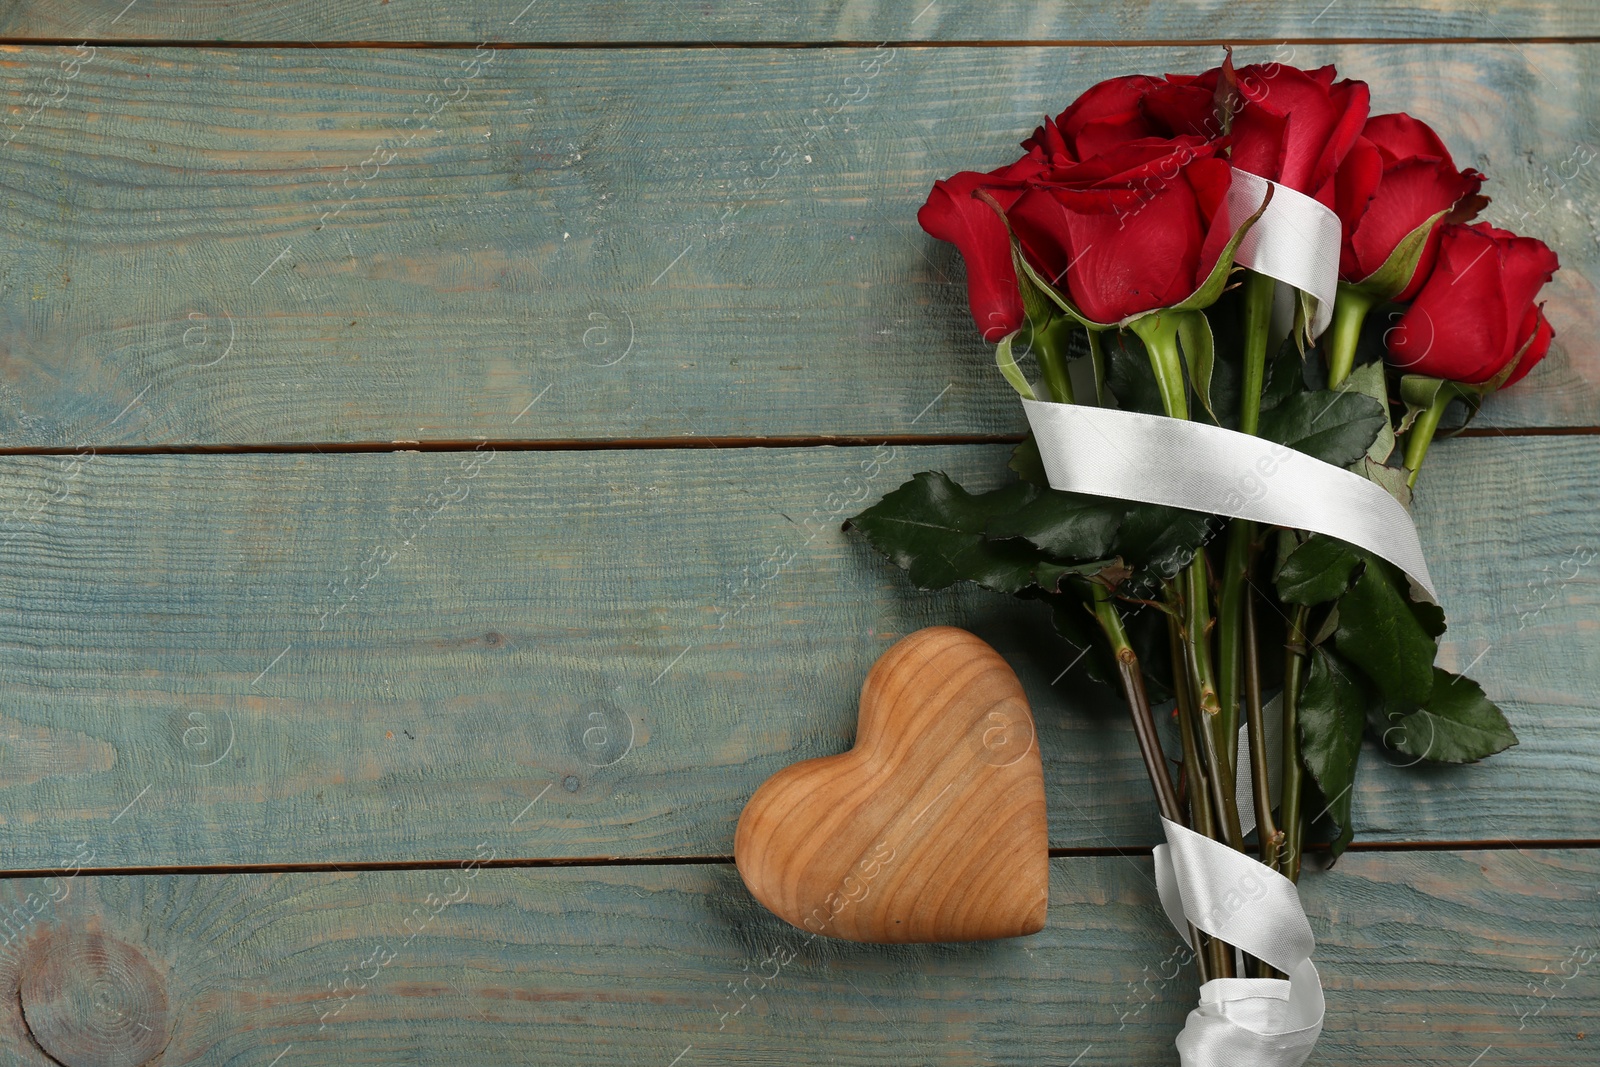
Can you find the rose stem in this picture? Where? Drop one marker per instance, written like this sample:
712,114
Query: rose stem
1266,830
1197,652
1144,723
1212,962
1258,289
1235,575
1160,335
1053,362
1159,332
1097,357
1349,312
1293,773
1422,431
1257,295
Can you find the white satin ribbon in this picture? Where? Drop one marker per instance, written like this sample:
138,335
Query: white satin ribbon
1296,240
1157,460
1242,1022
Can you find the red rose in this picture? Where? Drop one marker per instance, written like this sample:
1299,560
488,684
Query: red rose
1131,108
1476,311
1295,126
1397,176
1116,184
1136,228
953,214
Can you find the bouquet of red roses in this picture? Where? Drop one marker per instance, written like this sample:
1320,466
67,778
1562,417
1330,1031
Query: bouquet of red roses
1249,304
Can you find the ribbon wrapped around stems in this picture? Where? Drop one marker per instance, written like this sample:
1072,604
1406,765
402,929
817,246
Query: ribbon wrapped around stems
1259,1022
1129,455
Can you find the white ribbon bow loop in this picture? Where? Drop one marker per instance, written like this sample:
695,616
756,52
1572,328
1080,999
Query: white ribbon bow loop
1242,1022
1296,241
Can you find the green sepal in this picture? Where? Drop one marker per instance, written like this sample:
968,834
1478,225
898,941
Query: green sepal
1199,354
1500,379
1217,280
1418,392
1391,279
1009,369
1030,282
1305,312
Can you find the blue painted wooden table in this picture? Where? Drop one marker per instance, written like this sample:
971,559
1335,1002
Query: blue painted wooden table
426,430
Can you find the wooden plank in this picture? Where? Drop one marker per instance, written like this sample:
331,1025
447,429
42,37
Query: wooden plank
302,658
814,21
1427,958
262,246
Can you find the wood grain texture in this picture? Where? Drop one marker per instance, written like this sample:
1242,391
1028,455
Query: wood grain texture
90,1000
240,659
265,246
1427,958
931,827
813,20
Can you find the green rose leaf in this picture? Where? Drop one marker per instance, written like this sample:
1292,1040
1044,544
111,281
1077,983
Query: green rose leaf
1369,380
1336,428
933,528
1028,464
1391,479
1158,542
1285,376
1333,717
1380,633
1429,616
1318,571
1068,526
1457,724
1128,375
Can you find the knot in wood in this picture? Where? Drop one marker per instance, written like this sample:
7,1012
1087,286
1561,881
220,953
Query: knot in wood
90,1000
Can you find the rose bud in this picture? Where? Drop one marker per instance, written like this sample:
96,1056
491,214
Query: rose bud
1303,152
953,214
1105,119
1136,228
1397,176
1475,313
1127,215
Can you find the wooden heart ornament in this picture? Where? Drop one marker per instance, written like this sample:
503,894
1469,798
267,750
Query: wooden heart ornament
932,828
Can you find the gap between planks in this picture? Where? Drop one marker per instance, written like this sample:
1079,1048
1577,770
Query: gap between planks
644,443
1086,852
647,45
